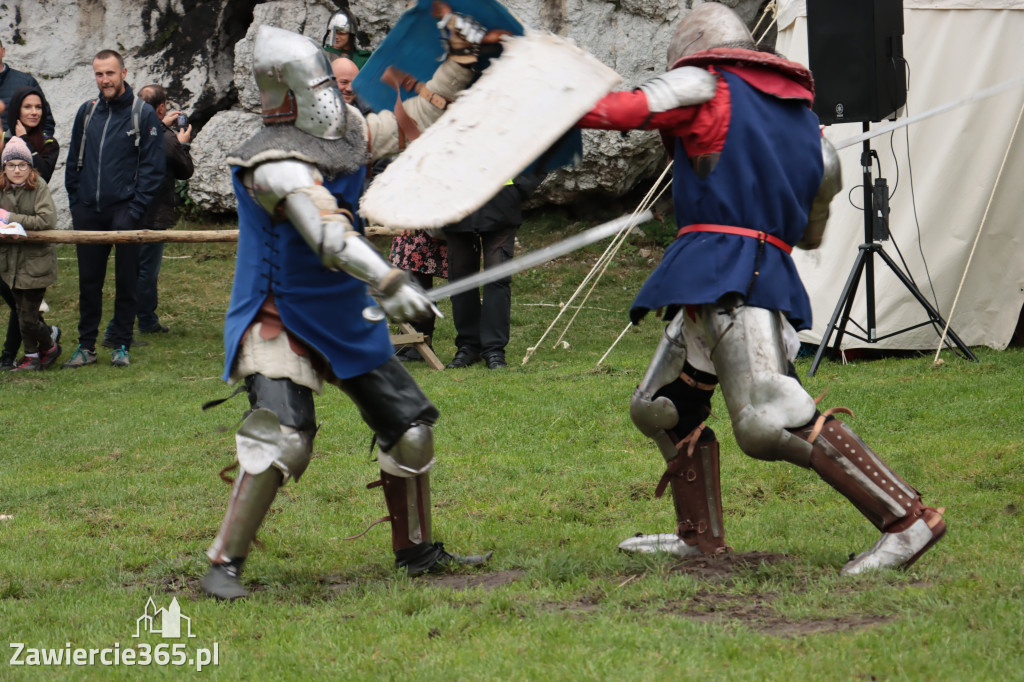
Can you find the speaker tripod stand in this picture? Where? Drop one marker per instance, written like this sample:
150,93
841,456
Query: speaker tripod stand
876,229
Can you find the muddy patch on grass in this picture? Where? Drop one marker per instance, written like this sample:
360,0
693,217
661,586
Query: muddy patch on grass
757,612
727,566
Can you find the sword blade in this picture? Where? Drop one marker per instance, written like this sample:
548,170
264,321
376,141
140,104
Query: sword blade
535,258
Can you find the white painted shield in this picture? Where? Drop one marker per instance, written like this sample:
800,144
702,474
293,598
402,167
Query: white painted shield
523,103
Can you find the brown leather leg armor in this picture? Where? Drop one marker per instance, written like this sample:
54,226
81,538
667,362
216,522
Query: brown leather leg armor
842,459
693,476
408,502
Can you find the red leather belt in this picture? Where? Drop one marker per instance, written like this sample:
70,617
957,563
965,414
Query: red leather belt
742,231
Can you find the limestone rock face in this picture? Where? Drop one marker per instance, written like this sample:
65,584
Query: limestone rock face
202,53
222,135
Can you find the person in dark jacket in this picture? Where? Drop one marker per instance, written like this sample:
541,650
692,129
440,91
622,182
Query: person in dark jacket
10,81
483,324
161,214
28,107
114,170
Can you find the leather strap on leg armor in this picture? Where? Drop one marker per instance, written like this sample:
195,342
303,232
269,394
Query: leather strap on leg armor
694,477
406,482
408,502
843,461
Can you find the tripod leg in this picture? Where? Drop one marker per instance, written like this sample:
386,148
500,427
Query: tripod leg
932,312
844,306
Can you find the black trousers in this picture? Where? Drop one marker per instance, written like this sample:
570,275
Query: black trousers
13,339
389,401
92,269
481,323
34,331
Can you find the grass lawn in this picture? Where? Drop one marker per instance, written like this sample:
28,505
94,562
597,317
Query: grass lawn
109,496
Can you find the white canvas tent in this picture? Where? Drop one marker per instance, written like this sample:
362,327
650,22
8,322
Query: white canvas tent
954,49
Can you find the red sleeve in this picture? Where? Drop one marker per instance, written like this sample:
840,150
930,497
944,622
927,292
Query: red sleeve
629,111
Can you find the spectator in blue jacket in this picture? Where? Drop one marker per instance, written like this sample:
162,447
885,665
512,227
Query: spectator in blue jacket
115,165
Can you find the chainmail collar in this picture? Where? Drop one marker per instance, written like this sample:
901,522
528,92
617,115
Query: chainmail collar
333,158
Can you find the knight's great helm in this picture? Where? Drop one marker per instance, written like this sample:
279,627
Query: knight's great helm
705,26
340,23
296,83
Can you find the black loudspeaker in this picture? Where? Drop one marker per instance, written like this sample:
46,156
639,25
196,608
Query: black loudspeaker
855,50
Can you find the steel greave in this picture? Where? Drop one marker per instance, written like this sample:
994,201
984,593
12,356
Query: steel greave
250,500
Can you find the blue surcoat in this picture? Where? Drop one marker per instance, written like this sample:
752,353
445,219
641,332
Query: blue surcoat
766,178
320,308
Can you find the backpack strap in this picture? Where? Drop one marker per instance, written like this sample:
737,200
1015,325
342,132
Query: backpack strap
85,128
136,117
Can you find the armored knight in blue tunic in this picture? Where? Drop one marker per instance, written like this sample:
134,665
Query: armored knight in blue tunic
752,178
301,285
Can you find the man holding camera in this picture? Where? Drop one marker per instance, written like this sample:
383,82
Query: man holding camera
161,214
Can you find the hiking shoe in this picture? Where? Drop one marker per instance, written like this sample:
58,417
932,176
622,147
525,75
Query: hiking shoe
120,358
158,329
80,358
48,357
464,357
6,361
27,364
902,549
222,582
429,557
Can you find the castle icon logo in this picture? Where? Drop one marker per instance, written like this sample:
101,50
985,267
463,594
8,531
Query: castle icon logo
164,622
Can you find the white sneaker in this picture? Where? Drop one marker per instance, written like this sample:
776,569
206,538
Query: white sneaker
900,550
660,542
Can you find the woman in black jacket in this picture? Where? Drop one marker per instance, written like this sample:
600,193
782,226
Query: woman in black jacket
27,110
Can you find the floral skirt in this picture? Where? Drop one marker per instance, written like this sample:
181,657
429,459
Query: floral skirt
417,251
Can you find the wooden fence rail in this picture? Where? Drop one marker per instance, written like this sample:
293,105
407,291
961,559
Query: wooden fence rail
121,236
409,336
